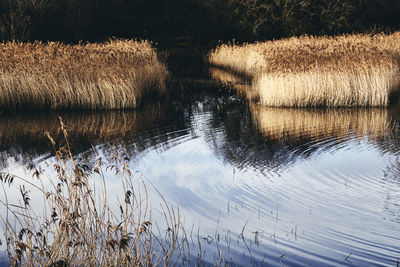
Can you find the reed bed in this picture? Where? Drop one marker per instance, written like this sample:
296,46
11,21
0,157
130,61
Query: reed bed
80,224
341,71
117,74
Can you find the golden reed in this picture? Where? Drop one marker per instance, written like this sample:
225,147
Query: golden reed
342,71
114,75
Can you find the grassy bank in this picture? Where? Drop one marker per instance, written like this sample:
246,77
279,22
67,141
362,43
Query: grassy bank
113,75
341,71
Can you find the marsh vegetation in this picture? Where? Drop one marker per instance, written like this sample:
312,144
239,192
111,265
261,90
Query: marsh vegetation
340,71
79,223
200,21
113,75
214,173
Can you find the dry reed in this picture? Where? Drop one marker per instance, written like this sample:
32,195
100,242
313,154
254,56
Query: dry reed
79,225
115,75
342,71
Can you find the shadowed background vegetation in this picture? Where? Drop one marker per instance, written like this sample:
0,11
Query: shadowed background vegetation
199,22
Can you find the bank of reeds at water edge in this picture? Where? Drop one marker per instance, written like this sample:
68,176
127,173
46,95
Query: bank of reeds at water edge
356,70
79,223
116,74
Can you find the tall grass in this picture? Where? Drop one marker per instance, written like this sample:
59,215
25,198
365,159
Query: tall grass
82,225
114,75
342,71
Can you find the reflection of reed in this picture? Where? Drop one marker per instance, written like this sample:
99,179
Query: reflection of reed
84,125
241,83
134,130
277,123
226,76
274,138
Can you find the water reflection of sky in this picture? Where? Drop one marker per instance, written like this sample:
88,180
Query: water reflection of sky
335,201
304,187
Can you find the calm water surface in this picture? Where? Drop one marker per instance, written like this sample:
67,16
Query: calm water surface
267,186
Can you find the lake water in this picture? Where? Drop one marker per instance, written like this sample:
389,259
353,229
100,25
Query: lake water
265,186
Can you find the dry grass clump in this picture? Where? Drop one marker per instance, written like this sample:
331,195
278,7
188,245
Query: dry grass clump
81,224
114,75
341,71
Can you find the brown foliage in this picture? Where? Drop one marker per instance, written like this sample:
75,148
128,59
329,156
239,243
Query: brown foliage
114,75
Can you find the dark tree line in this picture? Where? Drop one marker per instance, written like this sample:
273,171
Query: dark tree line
268,19
197,21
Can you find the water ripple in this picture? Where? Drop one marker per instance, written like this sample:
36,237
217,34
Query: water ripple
304,187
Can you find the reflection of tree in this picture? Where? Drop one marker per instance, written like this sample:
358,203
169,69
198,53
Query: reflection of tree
235,139
150,127
269,138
